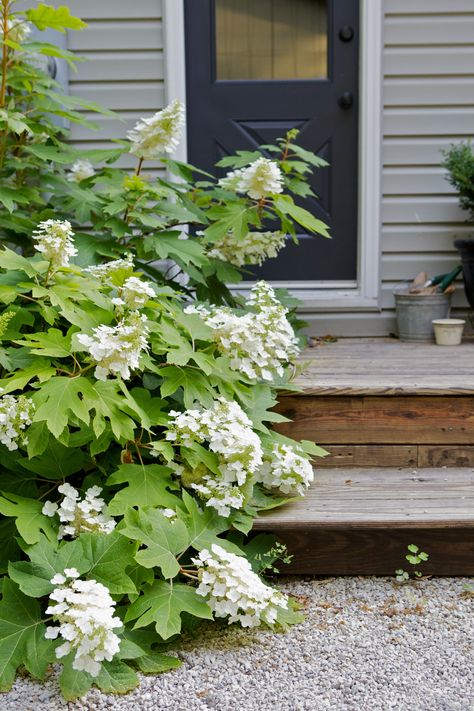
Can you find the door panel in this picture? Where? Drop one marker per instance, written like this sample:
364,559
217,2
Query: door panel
255,69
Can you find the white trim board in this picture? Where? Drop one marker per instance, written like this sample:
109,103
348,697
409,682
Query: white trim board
365,294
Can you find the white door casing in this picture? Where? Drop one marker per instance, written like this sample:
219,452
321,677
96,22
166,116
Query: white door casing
364,294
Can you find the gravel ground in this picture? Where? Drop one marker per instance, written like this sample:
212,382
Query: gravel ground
367,644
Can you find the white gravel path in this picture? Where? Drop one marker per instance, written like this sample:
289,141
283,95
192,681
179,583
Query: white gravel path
367,644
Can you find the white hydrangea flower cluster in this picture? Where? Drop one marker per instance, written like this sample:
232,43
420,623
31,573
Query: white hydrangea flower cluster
85,612
105,272
286,469
117,349
16,414
161,133
134,293
232,589
80,170
18,29
80,516
258,343
258,180
228,432
54,240
254,248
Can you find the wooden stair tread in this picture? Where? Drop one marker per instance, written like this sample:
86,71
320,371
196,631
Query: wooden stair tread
379,498
386,366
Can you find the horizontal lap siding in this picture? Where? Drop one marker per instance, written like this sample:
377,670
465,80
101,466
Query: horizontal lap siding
123,68
428,104
428,95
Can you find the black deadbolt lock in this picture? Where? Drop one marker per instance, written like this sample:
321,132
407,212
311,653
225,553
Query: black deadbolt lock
346,100
346,33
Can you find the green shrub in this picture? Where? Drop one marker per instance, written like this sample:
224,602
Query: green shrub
135,409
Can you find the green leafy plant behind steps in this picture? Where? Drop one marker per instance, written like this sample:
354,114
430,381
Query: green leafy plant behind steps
137,392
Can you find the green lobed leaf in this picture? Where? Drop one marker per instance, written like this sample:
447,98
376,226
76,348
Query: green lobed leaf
29,520
155,663
285,204
148,485
59,399
108,556
116,677
163,539
163,605
59,18
46,559
22,640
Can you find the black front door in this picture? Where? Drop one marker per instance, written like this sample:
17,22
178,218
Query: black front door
255,69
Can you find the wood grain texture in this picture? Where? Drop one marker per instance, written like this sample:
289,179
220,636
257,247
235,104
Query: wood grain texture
398,455
379,420
361,455
379,499
386,366
377,552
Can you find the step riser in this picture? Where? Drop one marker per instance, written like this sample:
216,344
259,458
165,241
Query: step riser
402,455
377,552
337,423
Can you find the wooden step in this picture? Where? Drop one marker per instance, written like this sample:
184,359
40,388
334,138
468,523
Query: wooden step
360,521
380,402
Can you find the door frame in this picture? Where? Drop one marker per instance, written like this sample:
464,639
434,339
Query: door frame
364,293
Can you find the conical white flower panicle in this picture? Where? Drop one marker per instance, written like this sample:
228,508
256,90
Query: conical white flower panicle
117,349
259,180
233,590
84,610
18,29
53,239
114,272
260,342
254,248
286,470
161,133
80,170
228,432
134,293
80,516
16,414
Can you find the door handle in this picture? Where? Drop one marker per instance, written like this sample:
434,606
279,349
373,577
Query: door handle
346,100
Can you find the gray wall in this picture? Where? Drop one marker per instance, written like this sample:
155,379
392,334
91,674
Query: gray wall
428,103
428,99
123,71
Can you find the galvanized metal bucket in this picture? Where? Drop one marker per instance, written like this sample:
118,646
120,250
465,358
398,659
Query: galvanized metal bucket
415,313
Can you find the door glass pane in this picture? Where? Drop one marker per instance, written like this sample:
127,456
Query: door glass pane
271,39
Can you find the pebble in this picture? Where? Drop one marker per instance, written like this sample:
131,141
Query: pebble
367,644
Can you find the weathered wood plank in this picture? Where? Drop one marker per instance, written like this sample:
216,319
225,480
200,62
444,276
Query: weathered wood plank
386,366
402,455
362,455
454,456
377,552
380,498
379,420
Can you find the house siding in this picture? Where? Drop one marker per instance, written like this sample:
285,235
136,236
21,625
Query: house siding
123,68
428,96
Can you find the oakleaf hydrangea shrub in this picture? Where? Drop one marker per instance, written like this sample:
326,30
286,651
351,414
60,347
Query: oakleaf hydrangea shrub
136,403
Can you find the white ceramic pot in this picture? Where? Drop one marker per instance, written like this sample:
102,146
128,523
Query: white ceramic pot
448,331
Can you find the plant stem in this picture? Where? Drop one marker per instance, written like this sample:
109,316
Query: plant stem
139,167
3,85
